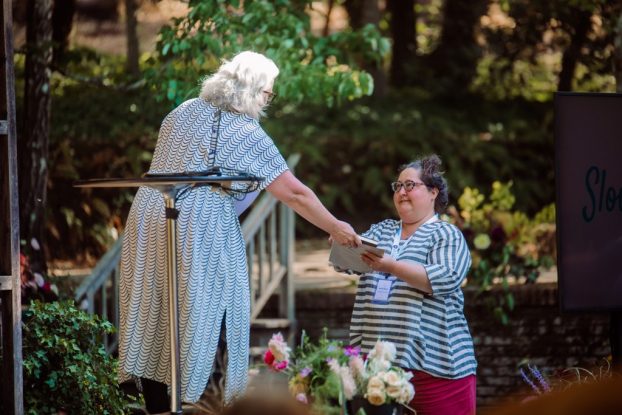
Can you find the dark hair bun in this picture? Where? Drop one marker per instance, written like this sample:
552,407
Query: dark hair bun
431,165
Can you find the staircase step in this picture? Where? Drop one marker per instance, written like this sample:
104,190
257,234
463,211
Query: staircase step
257,351
270,323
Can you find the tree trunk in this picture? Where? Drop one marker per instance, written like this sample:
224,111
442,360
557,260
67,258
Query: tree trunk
329,11
361,13
353,7
572,52
33,146
404,32
62,23
617,62
454,62
133,51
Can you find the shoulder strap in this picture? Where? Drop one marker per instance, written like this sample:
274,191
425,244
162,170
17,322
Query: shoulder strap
211,156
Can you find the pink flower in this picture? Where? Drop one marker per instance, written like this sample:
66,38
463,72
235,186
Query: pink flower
301,397
278,347
278,366
268,358
352,350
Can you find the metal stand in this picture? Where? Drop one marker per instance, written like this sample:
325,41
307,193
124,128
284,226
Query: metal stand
615,339
169,186
173,310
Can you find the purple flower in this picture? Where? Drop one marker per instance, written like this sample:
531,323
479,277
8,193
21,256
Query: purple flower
543,383
352,351
529,382
540,385
305,372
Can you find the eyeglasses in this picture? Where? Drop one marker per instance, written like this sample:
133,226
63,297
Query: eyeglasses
271,96
408,185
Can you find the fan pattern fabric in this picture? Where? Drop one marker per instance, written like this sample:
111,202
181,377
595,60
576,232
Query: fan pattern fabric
213,281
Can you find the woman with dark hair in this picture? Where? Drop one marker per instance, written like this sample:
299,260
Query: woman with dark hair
413,296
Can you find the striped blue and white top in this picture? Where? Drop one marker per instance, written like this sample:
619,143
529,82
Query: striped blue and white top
430,332
212,272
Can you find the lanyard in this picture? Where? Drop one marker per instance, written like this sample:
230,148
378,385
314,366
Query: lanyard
396,249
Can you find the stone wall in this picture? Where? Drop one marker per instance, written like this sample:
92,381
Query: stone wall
537,332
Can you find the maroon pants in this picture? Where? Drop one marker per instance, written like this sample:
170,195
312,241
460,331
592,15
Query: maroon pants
440,396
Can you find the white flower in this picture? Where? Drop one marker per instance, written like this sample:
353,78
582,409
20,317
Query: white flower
375,382
349,386
333,364
407,376
378,365
394,391
392,378
376,352
389,351
278,347
347,380
407,393
375,396
383,351
357,366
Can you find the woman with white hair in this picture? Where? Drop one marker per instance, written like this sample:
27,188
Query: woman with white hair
212,271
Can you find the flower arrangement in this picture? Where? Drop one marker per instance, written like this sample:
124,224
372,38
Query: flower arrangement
381,381
328,374
504,243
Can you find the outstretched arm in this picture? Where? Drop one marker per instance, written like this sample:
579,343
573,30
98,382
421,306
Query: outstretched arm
291,191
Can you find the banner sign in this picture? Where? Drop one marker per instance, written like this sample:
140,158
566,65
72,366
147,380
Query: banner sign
588,175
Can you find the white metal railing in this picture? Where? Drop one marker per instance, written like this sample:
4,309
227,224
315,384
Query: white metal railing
268,231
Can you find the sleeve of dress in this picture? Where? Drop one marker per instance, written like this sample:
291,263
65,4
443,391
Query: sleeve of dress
357,323
448,261
262,158
374,232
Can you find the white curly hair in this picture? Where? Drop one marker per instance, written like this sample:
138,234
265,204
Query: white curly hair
239,84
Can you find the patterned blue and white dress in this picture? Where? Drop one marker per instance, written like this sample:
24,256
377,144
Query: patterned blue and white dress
430,332
212,271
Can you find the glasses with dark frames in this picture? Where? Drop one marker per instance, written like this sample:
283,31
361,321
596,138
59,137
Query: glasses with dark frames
271,96
408,185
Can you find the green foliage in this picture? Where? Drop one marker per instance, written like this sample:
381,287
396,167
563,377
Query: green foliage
102,127
65,366
322,384
313,69
504,243
349,156
523,50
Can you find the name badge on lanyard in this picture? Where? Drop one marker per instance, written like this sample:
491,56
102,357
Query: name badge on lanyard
385,284
383,289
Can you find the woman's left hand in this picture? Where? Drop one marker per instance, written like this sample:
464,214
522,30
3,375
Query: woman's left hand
383,263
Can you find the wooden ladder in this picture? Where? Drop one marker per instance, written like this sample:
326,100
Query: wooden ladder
11,399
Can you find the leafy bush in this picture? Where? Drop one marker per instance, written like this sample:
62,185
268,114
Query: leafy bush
322,69
504,243
102,126
350,155
326,374
65,366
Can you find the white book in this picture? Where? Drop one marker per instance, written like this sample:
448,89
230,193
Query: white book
348,260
